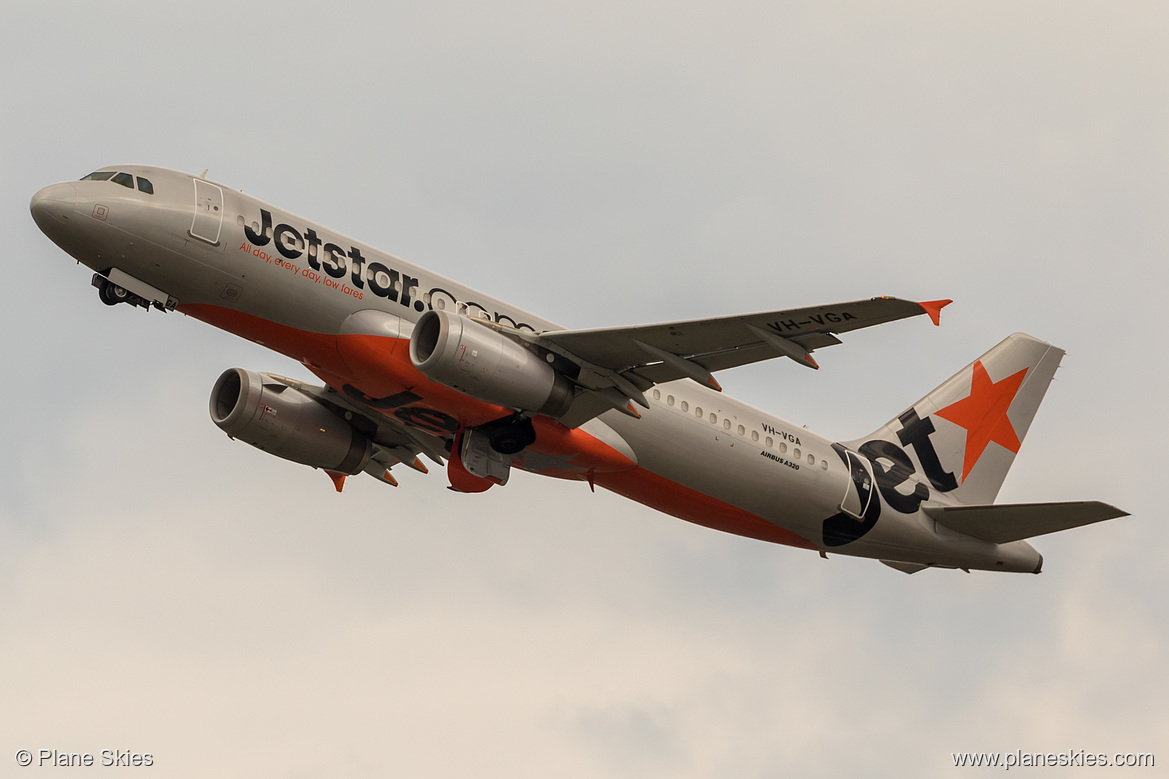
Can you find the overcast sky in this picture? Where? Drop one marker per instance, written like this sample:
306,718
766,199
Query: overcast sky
166,590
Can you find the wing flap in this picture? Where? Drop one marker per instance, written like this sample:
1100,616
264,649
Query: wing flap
718,361
1000,524
393,441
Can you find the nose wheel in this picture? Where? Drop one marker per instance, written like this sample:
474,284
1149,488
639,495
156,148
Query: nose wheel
111,294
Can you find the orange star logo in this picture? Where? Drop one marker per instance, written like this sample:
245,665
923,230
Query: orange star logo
984,414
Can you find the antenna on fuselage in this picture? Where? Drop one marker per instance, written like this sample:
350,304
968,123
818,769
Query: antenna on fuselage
203,175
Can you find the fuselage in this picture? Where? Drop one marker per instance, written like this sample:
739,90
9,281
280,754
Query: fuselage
294,286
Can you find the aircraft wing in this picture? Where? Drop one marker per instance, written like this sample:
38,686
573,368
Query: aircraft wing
393,442
619,364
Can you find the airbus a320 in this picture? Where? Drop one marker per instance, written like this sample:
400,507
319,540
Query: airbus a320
419,368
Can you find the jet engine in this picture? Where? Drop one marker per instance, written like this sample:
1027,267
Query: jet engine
270,415
481,362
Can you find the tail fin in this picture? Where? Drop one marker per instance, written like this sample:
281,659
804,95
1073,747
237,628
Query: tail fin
966,432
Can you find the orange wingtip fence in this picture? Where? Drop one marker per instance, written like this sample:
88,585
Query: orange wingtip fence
934,309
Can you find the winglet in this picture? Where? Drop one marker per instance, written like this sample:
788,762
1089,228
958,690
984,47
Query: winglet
338,479
934,309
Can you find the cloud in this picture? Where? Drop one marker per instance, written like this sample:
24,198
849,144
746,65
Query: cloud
164,589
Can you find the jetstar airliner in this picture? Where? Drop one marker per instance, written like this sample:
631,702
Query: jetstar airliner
417,366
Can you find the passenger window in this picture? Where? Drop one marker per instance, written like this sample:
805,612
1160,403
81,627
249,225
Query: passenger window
101,175
698,411
754,435
796,452
125,179
657,394
144,185
811,459
727,424
713,418
782,448
823,465
769,442
742,430
685,406
669,400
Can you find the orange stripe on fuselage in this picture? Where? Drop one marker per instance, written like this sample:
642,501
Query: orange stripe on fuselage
669,497
380,366
376,365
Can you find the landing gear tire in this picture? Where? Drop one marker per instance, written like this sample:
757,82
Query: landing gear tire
513,436
111,294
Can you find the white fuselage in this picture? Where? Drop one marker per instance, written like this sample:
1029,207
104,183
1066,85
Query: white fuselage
289,284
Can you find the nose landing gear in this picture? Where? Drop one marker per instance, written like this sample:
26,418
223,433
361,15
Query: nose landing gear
111,294
115,286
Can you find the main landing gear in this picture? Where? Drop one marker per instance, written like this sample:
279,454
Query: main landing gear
511,435
481,456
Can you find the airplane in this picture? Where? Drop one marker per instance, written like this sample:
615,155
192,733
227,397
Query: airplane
415,365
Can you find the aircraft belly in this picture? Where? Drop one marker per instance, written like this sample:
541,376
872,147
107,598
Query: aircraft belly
732,470
953,550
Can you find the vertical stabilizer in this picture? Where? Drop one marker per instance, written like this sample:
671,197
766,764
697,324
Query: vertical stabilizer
966,433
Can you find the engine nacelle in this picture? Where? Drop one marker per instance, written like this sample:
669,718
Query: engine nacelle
485,364
281,420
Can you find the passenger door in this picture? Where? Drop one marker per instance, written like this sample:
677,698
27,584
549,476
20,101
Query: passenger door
208,220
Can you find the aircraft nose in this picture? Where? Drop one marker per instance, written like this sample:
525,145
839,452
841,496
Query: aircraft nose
53,206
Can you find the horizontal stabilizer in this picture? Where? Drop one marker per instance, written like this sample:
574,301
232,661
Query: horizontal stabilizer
1014,522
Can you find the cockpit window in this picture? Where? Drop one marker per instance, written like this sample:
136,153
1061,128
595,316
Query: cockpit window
125,179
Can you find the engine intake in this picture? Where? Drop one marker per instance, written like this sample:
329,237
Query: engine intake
263,411
481,362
